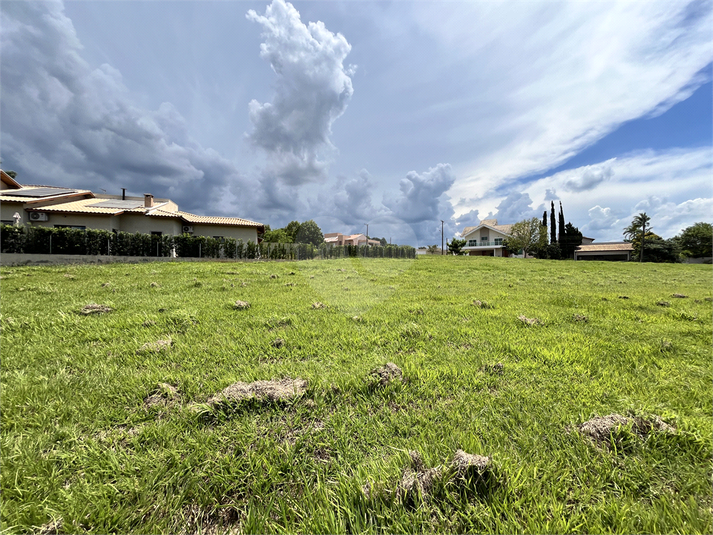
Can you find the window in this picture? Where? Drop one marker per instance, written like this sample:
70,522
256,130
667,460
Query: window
472,243
498,241
156,233
80,227
483,238
7,222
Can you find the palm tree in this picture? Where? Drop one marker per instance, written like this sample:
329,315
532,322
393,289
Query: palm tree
638,228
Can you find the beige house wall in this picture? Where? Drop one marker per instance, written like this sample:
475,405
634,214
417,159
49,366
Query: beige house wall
8,209
239,233
101,222
147,224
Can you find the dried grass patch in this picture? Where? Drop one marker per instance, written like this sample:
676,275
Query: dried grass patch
602,429
477,303
318,305
530,322
262,391
241,305
159,346
679,296
386,374
163,395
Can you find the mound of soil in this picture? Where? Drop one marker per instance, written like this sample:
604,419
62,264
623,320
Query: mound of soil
580,318
417,481
277,343
663,303
679,296
282,390
467,465
93,308
387,373
530,322
241,305
477,303
318,305
163,395
601,428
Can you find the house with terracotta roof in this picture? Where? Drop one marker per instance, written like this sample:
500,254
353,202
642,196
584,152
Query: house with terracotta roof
51,206
337,238
486,239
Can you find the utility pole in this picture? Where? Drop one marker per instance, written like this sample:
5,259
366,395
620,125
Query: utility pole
367,233
442,251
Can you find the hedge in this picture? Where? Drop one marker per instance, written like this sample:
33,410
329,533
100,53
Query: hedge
44,240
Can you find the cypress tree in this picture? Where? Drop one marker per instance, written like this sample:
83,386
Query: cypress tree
553,227
561,224
544,219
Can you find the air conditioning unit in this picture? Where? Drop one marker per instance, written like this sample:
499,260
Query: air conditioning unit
187,228
38,216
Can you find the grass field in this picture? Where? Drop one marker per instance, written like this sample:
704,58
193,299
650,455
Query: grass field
90,443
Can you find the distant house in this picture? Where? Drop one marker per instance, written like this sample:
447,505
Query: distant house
620,251
337,238
51,206
486,239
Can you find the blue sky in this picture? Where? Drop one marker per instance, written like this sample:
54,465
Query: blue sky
396,114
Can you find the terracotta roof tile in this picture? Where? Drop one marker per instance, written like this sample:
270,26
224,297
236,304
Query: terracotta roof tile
599,247
214,220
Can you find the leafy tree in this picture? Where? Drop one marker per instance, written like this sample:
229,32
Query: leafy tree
571,239
696,241
455,246
279,235
638,228
656,249
309,232
11,174
432,249
293,228
383,242
528,235
553,226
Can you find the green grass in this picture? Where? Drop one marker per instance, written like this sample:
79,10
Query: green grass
79,445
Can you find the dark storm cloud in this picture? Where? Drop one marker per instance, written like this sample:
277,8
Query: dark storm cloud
65,123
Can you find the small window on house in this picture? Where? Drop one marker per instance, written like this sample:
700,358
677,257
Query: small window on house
156,233
498,241
7,222
472,243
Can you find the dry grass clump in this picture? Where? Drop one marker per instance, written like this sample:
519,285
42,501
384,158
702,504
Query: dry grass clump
241,305
663,303
602,428
277,343
52,528
679,296
580,318
290,284
93,308
155,285
220,521
273,276
388,373
318,305
162,396
159,346
477,303
263,391
148,323
467,465
495,369
106,285
530,322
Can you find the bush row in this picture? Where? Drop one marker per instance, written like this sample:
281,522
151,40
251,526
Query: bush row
44,240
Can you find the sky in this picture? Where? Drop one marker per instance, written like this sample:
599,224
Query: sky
408,116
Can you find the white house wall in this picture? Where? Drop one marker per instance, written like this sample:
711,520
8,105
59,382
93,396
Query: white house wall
146,224
8,209
101,222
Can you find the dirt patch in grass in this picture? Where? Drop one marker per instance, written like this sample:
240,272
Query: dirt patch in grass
93,308
495,369
155,285
318,305
603,428
386,374
477,303
241,305
530,322
417,481
159,346
679,296
261,391
580,318
148,323
277,343
218,521
51,528
663,303
163,395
